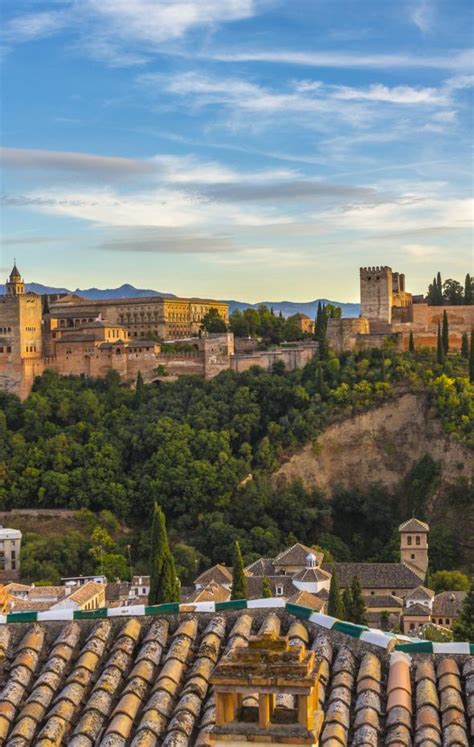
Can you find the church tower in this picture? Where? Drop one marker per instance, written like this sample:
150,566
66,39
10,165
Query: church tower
15,284
414,545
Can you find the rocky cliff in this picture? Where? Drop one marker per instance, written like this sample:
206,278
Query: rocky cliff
380,445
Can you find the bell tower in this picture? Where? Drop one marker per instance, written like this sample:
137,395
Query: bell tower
414,545
15,284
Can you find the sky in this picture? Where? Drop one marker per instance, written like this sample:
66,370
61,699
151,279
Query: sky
246,149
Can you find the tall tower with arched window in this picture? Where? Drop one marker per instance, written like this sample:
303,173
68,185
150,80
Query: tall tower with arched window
414,545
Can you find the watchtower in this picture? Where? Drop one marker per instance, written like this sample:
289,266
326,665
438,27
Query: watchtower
414,545
267,692
15,284
376,294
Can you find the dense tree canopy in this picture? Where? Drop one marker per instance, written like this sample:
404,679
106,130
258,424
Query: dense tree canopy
205,450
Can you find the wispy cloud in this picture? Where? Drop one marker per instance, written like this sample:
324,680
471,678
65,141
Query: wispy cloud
457,60
30,159
422,15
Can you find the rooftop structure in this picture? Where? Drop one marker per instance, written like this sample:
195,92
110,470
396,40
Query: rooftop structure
152,680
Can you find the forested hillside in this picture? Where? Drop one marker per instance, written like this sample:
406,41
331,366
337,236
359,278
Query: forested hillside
192,445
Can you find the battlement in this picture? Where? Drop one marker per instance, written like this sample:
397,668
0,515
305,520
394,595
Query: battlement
365,271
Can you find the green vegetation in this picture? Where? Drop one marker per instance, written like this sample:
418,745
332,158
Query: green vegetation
164,586
262,322
239,579
96,445
358,608
213,322
335,606
450,292
449,581
463,628
266,589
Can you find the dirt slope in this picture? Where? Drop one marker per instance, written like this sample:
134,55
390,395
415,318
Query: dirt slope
378,446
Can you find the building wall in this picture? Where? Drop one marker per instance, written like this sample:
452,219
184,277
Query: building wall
20,341
342,333
293,358
376,293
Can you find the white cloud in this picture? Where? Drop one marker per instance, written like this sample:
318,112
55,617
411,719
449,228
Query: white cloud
395,95
422,15
33,26
340,59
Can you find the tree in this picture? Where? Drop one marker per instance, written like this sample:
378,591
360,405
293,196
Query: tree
139,389
439,290
384,620
321,331
335,606
45,304
359,610
469,290
347,604
439,347
449,581
213,322
453,292
266,589
465,345
463,628
239,580
411,343
445,333
471,358
164,585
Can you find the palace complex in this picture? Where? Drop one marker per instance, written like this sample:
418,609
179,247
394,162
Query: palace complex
389,312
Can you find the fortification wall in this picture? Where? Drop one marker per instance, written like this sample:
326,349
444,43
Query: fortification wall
342,333
429,316
293,358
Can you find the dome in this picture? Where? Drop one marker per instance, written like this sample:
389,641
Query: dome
311,561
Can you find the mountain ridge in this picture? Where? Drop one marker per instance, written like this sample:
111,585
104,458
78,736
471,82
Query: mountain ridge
126,290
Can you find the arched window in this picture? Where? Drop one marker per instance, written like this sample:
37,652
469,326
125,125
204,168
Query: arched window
409,540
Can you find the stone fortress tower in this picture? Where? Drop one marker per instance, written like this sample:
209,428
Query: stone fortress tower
20,332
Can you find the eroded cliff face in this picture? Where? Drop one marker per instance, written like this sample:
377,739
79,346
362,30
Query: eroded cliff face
380,445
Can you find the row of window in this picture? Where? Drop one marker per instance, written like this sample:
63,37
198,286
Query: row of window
5,350
31,348
30,329
5,330
417,540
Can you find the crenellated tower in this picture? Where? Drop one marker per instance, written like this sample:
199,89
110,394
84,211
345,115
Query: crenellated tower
376,294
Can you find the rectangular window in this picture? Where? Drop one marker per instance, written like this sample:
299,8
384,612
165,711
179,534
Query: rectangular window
409,539
418,539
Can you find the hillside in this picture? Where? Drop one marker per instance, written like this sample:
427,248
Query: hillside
379,445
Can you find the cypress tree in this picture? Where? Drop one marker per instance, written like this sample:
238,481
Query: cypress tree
471,358
335,607
463,628
439,347
465,345
163,582
139,389
411,343
266,589
359,610
384,620
45,304
320,379
445,333
439,290
239,580
347,604
468,290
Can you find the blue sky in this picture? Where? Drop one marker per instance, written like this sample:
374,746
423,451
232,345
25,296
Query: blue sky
250,149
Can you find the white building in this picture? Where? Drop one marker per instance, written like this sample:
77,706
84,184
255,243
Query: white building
10,545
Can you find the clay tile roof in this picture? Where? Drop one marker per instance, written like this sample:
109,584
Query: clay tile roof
86,592
218,573
147,681
312,574
413,525
305,599
296,555
375,575
261,567
448,603
421,592
382,600
417,610
212,592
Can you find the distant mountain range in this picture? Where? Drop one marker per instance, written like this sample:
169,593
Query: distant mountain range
287,308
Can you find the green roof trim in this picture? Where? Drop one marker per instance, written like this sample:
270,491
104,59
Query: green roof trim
349,628
303,613
423,647
20,617
232,604
170,608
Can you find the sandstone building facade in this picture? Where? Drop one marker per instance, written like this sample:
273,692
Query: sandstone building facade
78,336
389,312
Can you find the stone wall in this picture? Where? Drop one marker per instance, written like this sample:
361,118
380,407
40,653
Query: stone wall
376,293
292,357
342,333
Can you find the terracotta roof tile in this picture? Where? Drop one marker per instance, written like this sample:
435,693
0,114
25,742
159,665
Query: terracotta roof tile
150,684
